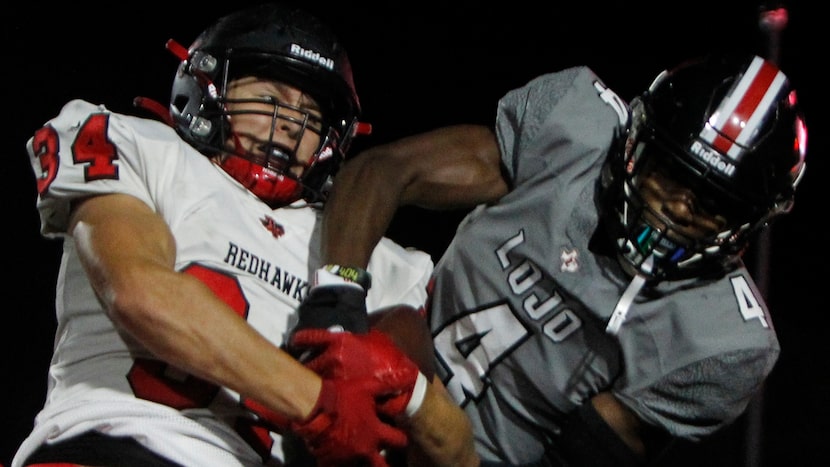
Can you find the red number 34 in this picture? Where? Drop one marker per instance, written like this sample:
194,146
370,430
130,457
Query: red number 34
91,147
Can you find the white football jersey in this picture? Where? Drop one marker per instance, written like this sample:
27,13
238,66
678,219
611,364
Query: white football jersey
258,259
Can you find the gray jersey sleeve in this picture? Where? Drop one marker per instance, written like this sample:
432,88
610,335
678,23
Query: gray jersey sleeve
695,356
557,120
522,114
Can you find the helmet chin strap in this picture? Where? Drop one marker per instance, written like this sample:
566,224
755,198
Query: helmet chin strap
627,298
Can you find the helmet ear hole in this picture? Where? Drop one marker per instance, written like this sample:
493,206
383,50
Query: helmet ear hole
179,104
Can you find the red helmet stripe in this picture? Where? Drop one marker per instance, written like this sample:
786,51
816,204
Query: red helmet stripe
741,113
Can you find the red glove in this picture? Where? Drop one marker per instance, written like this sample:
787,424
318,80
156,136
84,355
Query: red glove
371,356
344,429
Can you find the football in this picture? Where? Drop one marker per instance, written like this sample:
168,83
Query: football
407,327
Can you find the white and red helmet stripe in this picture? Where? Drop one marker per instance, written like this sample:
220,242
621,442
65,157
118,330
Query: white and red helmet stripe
735,121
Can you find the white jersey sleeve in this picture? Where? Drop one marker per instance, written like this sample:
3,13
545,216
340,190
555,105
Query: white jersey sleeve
83,152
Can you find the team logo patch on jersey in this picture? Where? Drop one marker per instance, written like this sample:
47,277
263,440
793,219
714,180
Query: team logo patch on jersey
276,229
569,260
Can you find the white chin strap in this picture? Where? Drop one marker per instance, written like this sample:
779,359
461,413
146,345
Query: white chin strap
624,304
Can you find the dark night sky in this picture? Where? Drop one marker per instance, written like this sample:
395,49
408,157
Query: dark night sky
420,66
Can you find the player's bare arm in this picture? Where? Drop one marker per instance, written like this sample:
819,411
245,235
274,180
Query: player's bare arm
441,432
622,420
128,252
448,168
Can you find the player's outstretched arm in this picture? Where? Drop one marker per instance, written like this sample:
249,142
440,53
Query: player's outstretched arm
447,168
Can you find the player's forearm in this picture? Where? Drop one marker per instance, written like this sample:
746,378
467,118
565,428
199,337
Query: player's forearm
359,210
189,327
236,356
622,420
447,168
128,254
440,432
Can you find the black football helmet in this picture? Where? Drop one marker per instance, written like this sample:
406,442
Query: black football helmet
275,42
729,130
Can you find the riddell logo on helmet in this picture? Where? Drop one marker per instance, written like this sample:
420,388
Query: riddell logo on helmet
312,55
712,158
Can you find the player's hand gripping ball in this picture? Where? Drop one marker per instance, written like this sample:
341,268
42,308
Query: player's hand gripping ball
370,363
344,428
363,357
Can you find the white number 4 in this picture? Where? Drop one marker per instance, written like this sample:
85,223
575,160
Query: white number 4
747,301
469,348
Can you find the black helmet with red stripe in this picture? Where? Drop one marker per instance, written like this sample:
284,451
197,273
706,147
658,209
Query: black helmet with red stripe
277,42
729,129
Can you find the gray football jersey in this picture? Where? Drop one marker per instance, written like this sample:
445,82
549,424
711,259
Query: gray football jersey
520,304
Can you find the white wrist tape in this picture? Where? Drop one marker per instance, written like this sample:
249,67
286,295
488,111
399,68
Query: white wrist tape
418,393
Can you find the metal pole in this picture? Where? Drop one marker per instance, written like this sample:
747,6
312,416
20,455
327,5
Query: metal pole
772,22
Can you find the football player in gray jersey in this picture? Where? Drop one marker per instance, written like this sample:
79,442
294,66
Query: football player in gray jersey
593,305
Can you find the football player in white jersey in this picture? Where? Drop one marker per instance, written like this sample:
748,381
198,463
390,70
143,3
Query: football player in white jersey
188,245
593,306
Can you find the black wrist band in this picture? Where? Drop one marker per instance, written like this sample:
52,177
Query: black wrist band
334,305
357,275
